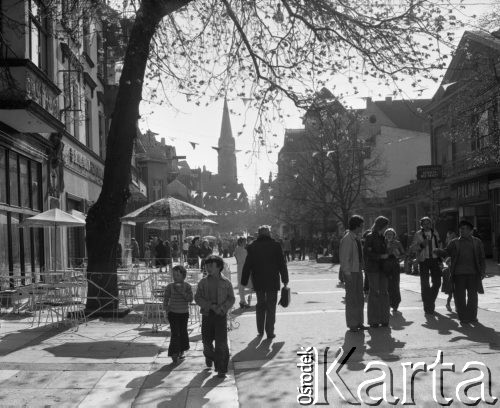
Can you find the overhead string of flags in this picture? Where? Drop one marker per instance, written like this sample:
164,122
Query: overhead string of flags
206,195
195,144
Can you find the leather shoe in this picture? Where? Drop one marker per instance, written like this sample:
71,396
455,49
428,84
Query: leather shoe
271,336
363,327
354,329
374,326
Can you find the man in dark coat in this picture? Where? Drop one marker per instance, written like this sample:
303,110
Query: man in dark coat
467,269
265,263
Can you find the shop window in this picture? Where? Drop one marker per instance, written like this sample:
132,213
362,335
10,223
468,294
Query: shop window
4,248
76,237
38,260
25,253
13,180
16,247
24,182
38,38
3,176
35,186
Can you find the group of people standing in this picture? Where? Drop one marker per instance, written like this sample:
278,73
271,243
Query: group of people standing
379,256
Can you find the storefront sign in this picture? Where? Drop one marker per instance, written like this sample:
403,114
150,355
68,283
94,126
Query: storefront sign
40,93
80,163
472,190
429,172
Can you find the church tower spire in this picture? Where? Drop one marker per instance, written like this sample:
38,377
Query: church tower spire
227,152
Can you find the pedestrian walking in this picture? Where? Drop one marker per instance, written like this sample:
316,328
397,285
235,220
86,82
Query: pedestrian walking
447,284
265,264
215,296
205,251
468,269
162,257
176,299
351,264
185,247
424,244
366,283
194,253
375,251
392,269
240,253
301,249
287,247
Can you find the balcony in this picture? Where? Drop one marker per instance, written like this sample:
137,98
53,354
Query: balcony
412,190
470,167
29,100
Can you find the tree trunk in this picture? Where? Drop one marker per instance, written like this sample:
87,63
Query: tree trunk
103,219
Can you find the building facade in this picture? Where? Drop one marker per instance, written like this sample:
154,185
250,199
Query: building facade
465,138
397,131
53,126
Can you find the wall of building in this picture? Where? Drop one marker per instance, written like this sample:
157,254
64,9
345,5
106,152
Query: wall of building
401,151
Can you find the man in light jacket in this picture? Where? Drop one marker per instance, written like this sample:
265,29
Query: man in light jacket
424,244
351,264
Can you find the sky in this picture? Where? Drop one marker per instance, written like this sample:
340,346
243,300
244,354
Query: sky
189,123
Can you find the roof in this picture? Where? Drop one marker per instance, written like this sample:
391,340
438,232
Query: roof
226,138
152,147
406,114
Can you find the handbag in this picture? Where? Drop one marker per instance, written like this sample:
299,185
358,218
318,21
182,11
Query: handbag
286,297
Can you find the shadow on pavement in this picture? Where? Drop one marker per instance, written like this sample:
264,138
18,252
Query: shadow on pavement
18,340
383,345
477,332
105,349
159,378
398,322
355,362
259,349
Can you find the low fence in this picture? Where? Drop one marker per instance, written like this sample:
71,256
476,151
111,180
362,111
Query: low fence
60,297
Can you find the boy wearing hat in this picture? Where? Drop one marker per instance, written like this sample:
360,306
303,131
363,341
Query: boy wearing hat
215,296
467,269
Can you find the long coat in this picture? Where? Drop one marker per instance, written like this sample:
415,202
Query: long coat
265,263
375,246
453,251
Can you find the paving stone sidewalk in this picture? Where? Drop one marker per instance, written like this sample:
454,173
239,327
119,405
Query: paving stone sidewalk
105,364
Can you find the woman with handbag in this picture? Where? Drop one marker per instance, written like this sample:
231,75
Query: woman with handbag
375,251
395,251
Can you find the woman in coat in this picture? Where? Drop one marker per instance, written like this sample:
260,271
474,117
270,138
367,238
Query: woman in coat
240,253
395,251
193,253
375,251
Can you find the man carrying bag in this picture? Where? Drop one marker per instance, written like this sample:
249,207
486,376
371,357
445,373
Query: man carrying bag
265,263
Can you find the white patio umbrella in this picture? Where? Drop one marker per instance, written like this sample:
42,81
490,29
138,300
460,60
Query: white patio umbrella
180,223
53,218
168,209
